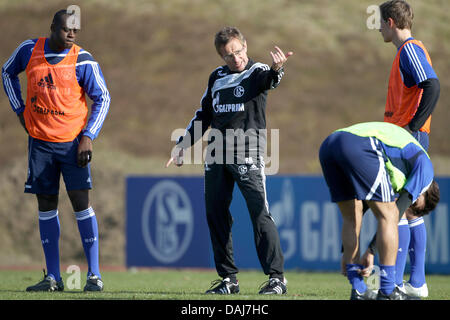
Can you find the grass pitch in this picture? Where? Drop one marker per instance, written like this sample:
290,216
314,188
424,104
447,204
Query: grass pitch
187,284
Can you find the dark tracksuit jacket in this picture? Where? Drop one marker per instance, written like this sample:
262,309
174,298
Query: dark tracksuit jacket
234,106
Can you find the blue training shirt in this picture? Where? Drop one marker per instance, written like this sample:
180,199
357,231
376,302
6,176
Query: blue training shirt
88,73
415,164
414,65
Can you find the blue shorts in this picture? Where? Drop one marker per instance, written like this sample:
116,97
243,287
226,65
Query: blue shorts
354,168
46,162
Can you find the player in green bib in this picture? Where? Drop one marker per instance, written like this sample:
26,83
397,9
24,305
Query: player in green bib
375,163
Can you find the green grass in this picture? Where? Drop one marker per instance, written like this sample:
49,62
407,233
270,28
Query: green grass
186,284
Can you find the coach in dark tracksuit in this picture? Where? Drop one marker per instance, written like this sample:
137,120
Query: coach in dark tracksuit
234,106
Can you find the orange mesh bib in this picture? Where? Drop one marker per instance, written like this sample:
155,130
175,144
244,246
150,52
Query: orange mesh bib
56,108
402,102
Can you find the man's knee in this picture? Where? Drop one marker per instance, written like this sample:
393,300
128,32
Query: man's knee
47,202
351,210
385,211
79,199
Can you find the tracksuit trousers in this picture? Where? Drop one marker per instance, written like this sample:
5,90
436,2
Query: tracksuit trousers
219,185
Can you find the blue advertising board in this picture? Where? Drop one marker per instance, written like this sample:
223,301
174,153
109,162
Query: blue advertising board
166,225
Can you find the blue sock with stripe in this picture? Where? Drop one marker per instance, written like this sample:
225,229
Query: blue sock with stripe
417,251
403,245
49,230
355,279
387,279
87,225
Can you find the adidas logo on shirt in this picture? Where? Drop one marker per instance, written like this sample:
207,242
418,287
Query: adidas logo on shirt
47,82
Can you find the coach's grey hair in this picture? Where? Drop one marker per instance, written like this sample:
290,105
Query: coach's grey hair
225,35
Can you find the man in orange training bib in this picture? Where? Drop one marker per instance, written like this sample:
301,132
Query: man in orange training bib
55,116
413,92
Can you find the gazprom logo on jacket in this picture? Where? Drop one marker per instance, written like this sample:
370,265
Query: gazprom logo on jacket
167,221
228,107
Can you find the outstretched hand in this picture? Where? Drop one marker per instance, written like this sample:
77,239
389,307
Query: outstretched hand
176,158
279,58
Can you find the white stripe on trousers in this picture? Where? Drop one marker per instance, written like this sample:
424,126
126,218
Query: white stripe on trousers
263,174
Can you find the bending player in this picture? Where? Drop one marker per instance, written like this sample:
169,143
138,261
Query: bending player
371,162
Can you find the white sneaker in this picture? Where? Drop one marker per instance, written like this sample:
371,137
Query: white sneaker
421,292
402,288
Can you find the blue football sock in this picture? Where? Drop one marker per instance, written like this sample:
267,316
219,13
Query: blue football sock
417,249
87,225
402,254
50,230
355,279
387,279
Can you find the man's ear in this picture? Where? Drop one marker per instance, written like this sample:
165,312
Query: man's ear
391,23
52,27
